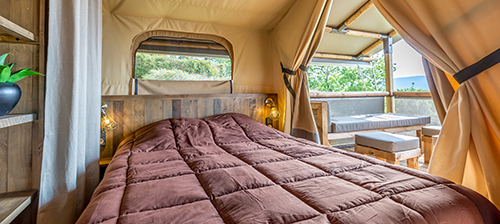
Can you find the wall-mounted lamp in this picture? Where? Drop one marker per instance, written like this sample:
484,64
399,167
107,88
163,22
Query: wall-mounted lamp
274,115
107,123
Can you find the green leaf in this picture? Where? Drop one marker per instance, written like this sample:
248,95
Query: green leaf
2,58
4,73
11,65
22,70
21,74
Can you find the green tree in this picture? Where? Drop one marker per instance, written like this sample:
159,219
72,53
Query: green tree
412,89
325,78
171,67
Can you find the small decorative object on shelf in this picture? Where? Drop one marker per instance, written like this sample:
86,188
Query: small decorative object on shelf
107,123
274,115
10,93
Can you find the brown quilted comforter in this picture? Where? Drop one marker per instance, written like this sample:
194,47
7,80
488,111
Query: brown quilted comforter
231,169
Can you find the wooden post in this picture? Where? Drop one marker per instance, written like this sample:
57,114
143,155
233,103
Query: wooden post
419,136
320,114
427,148
412,163
389,80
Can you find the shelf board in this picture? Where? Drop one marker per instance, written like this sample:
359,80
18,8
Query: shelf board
13,203
15,119
13,33
104,161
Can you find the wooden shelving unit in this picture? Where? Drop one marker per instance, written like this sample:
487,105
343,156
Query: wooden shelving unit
15,119
13,203
13,33
23,33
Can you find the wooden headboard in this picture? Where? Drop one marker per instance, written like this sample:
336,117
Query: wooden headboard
133,112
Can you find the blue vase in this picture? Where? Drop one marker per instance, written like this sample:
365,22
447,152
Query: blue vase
10,93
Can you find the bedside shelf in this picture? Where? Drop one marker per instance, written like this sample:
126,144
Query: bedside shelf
13,203
13,33
104,161
15,119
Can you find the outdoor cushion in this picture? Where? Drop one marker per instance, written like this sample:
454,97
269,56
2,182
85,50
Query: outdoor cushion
387,141
431,130
375,121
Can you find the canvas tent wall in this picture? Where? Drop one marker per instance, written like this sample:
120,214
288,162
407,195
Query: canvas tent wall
245,25
249,26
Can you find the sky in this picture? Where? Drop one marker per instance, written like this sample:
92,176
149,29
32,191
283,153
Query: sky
408,61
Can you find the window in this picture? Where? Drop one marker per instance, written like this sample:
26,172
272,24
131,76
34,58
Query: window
182,59
409,75
347,76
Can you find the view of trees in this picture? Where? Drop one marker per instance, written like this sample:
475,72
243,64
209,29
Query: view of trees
326,78
323,78
412,89
171,67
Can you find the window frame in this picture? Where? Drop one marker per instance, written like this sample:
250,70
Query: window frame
139,39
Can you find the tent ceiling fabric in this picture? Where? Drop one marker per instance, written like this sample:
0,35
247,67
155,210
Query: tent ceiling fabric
248,14
344,44
371,21
259,15
342,9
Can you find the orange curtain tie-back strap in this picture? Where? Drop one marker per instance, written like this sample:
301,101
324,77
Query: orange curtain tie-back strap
478,67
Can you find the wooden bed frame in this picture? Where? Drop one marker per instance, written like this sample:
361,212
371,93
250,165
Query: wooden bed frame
320,113
134,111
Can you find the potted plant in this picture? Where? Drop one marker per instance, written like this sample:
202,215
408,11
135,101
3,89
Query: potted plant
10,93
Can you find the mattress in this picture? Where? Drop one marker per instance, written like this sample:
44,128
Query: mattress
375,121
231,169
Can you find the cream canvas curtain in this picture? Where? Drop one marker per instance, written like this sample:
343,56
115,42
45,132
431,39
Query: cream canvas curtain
441,89
452,35
70,164
298,52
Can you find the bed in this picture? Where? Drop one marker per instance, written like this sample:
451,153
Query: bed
229,168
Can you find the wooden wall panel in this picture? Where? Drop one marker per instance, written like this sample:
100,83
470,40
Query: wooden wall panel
133,112
4,162
19,158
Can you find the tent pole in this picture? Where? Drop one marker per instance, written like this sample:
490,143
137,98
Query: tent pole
359,33
343,57
376,44
389,79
